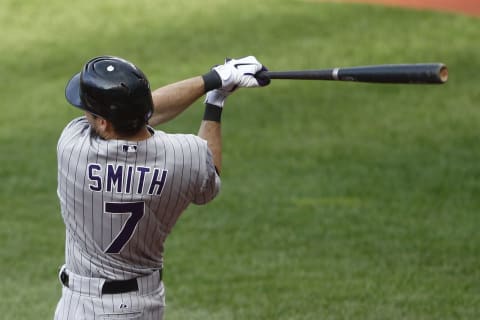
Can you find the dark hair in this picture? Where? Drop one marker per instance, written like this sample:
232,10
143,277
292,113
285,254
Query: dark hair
126,128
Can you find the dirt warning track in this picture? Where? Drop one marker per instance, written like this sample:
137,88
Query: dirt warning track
468,7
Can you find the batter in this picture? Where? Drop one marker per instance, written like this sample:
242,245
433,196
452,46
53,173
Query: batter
122,185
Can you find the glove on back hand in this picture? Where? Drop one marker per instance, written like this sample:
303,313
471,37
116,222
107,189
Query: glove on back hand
241,73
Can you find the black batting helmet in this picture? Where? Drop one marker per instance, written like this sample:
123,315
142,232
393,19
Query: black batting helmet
114,89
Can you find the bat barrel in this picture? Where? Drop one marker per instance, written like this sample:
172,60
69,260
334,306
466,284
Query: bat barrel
399,73
443,73
423,73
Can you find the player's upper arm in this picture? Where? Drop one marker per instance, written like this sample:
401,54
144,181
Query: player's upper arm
208,184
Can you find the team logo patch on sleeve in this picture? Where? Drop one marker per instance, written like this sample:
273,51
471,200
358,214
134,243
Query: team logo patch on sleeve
129,148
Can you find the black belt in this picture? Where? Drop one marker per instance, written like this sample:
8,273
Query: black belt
112,286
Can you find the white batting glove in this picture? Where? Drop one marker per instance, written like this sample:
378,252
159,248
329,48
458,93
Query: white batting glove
241,72
217,97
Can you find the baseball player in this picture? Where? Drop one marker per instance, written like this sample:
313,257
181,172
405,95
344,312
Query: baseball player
122,185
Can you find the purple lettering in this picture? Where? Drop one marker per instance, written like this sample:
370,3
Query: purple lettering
114,177
96,181
141,180
129,179
157,183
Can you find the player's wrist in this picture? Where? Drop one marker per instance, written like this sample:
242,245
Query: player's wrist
212,80
216,97
212,113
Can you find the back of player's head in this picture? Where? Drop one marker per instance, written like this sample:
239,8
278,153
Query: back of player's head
114,89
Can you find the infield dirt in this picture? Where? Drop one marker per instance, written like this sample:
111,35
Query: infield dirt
469,7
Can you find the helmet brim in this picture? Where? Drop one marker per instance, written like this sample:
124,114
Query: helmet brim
72,92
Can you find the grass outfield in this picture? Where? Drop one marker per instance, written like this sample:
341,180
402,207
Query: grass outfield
339,200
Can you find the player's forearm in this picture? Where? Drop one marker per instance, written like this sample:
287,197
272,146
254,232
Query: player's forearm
171,100
212,132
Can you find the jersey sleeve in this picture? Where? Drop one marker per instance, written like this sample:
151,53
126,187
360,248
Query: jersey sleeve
76,127
209,181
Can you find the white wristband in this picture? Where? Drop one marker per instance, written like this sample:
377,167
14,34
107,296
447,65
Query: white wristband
216,97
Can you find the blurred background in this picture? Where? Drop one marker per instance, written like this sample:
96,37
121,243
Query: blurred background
339,200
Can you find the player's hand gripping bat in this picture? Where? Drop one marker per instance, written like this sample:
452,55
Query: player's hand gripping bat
419,73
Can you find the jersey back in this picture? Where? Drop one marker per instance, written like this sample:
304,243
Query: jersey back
120,199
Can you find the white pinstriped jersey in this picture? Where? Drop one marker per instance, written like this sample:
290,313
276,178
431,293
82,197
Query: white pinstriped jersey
120,199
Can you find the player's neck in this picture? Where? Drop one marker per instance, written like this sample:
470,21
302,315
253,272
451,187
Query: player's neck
143,134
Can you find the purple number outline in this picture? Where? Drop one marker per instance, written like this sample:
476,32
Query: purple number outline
136,211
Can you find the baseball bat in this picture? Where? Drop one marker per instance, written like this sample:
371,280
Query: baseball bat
418,73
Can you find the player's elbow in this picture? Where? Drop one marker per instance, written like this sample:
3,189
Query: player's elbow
209,192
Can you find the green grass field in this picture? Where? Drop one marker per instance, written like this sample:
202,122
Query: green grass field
339,200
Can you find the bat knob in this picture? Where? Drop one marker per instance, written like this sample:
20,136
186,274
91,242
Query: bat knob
262,77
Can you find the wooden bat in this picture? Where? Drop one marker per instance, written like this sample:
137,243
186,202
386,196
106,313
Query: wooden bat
419,73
